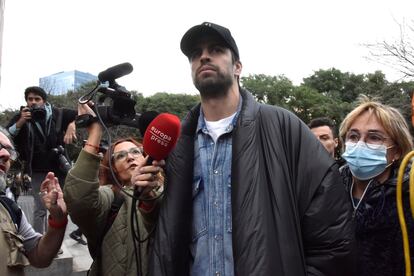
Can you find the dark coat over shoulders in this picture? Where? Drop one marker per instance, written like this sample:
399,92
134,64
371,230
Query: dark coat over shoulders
290,213
379,242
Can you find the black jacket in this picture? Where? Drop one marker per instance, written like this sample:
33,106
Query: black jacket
290,213
25,140
378,232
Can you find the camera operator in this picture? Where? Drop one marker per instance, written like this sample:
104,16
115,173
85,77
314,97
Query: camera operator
37,130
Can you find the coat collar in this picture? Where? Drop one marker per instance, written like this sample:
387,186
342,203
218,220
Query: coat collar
247,114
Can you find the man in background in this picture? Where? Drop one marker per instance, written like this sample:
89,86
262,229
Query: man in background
323,128
39,130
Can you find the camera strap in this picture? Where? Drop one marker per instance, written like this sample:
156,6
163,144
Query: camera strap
59,120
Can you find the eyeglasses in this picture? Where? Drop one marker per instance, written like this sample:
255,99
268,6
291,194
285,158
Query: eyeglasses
13,153
123,154
373,140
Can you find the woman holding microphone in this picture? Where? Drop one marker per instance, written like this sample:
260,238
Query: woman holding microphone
102,203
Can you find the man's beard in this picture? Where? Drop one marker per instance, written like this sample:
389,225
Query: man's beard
214,88
3,182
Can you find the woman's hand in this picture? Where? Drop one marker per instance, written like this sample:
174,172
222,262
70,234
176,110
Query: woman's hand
147,177
94,130
86,109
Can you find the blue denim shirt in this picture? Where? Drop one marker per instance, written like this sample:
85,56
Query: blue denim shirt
211,246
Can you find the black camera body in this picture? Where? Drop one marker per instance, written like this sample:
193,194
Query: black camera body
120,109
115,105
38,112
64,164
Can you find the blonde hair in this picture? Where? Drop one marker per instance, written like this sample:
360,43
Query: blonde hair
390,118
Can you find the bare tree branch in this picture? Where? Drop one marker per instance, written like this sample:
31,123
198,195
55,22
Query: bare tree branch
398,54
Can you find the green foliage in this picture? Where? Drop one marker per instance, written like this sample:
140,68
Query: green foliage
178,104
333,83
273,90
6,116
330,93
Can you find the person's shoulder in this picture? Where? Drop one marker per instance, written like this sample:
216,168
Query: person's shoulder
272,112
13,209
13,119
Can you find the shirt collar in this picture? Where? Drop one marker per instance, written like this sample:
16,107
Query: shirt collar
201,124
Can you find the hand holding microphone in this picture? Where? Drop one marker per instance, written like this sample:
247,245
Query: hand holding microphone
160,137
145,178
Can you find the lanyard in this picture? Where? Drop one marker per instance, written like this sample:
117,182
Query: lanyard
362,197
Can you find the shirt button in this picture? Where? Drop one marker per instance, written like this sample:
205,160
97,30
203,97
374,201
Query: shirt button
215,171
217,237
215,204
217,273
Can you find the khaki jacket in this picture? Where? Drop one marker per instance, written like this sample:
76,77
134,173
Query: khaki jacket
12,258
89,204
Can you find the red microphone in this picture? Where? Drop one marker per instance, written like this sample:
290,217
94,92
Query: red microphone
161,136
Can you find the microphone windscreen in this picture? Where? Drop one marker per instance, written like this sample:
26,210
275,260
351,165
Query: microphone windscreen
161,136
115,72
145,119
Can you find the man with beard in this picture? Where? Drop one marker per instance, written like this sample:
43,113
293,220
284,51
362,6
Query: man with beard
38,130
249,190
19,243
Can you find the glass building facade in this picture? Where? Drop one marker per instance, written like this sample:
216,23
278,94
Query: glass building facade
62,82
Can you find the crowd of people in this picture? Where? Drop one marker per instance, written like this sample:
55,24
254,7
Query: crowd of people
249,188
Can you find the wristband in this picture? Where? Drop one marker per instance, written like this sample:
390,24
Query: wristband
146,206
93,146
55,224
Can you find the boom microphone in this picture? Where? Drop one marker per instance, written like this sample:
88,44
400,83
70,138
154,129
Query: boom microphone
115,72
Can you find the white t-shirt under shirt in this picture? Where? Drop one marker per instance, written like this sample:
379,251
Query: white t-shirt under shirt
217,128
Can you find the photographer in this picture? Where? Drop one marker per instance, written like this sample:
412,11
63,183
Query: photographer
37,130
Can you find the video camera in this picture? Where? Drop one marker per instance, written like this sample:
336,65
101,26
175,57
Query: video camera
38,112
115,105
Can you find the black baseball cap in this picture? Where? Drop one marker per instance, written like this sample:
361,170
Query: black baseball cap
195,33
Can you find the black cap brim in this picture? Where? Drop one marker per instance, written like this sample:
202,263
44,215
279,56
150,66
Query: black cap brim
193,35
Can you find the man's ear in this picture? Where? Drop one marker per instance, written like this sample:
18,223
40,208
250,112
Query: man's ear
237,68
336,142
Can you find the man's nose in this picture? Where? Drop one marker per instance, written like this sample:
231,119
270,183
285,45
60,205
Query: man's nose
205,55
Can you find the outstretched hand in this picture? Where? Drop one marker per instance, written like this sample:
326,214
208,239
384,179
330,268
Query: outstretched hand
52,197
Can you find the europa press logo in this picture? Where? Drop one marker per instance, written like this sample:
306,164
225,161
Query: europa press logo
159,137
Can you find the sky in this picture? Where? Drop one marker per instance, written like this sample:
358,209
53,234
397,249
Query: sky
293,38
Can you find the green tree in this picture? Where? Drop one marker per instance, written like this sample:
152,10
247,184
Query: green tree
178,104
273,90
335,84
